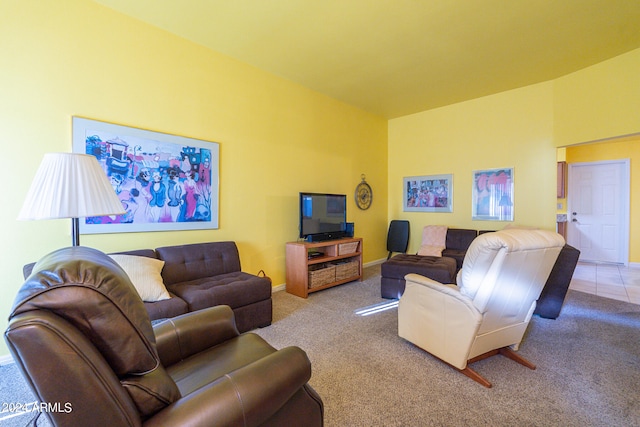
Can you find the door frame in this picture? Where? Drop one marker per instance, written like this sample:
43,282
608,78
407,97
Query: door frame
625,200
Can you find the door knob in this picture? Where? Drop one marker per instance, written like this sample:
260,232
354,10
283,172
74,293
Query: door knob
574,220
574,213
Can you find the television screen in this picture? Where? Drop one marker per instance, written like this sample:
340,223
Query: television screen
322,216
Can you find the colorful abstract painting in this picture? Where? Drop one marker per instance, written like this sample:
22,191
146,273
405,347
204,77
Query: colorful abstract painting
430,193
492,195
165,182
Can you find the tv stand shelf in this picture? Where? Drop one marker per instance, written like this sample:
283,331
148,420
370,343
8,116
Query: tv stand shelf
299,263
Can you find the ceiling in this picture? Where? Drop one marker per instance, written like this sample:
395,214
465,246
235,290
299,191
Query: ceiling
398,57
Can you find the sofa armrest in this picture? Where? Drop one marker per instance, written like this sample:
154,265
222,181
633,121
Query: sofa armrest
555,289
248,396
185,335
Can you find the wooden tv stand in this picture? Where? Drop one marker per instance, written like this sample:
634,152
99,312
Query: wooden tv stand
299,263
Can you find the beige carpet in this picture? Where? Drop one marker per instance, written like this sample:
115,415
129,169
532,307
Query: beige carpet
588,365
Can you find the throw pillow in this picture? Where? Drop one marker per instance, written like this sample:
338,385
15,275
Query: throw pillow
430,250
433,240
144,273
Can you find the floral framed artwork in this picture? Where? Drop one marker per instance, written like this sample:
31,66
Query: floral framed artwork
492,195
165,182
429,193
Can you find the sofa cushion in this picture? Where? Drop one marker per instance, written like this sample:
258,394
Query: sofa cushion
455,254
393,271
144,273
166,308
459,239
235,289
186,263
440,269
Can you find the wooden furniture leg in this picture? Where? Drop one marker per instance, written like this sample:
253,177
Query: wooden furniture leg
506,352
475,376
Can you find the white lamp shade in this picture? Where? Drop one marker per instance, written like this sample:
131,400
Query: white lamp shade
70,185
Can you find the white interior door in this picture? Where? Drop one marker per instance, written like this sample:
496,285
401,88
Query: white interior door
598,210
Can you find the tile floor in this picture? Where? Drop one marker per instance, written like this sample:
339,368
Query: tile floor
608,280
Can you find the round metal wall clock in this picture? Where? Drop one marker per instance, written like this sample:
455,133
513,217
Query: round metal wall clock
364,195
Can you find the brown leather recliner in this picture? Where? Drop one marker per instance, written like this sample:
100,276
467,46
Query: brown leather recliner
83,340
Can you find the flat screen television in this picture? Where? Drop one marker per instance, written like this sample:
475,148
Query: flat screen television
323,216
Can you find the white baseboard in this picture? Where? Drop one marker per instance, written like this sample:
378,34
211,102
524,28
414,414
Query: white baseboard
376,262
6,360
634,265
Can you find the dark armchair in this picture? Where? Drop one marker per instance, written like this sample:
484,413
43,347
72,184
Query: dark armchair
83,339
398,236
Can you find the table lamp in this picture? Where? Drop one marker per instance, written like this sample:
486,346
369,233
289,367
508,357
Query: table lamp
70,185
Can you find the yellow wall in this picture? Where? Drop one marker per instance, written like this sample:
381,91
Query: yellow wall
628,148
520,129
276,138
561,156
599,102
510,129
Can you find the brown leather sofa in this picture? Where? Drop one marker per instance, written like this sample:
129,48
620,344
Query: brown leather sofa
204,275
81,336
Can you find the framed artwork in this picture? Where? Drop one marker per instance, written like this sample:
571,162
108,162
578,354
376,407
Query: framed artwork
430,193
493,195
165,182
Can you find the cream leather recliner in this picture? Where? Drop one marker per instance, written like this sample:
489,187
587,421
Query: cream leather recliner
489,309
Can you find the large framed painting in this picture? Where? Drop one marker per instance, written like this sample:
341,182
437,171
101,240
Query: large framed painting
492,195
165,182
430,193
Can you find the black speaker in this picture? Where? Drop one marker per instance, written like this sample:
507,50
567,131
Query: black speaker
349,229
